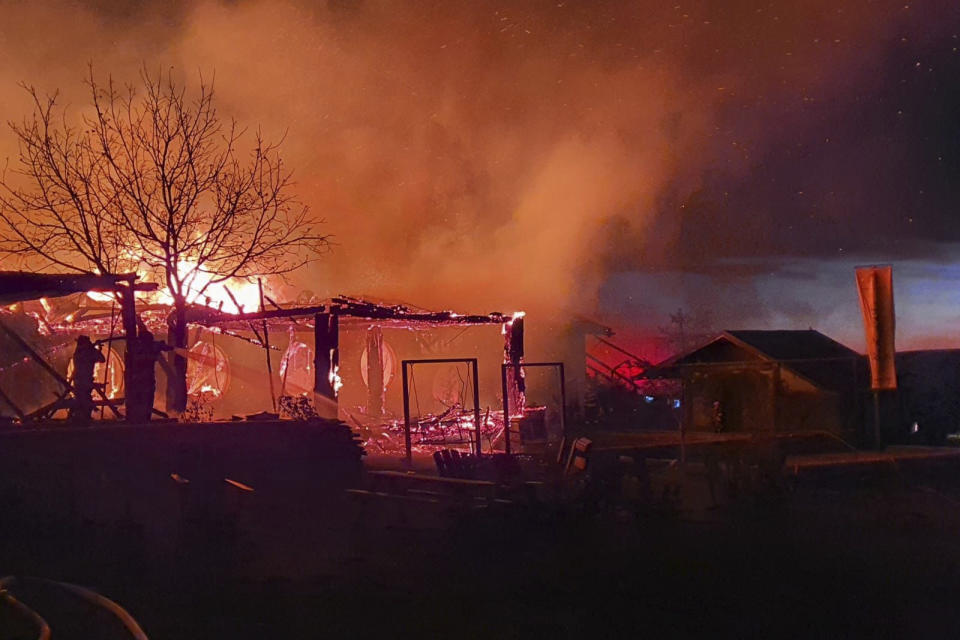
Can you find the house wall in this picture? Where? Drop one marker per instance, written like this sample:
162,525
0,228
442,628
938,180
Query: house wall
756,394
810,411
749,402
744,394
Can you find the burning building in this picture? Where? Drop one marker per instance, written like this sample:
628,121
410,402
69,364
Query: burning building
385,369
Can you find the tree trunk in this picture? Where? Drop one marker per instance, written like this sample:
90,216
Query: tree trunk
128,316
177,338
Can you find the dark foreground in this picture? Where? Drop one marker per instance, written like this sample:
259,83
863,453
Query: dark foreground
861,553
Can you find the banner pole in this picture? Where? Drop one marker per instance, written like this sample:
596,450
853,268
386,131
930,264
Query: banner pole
876,420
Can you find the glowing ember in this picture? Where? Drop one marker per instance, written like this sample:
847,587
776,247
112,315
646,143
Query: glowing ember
516,316
100,296
212,390
334,378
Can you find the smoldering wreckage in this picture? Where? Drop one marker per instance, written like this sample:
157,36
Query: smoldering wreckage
281,362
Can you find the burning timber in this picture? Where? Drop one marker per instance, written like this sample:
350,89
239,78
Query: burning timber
336,359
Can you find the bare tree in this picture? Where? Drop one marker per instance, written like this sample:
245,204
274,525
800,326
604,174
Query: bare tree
153,180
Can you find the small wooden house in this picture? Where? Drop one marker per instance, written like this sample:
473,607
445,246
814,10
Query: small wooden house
770,380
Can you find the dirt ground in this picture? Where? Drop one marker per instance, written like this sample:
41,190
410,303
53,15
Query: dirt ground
865,553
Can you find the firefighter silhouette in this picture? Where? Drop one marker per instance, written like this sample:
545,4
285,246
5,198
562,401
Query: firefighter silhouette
142,380
85,359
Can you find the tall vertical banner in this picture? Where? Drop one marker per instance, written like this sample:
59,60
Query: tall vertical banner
875,285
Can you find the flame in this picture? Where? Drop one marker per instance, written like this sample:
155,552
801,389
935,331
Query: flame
201,290
519,315
209,388
100,296
335,380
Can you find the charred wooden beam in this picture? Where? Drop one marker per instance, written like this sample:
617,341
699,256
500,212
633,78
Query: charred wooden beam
375,387
326,364
266,348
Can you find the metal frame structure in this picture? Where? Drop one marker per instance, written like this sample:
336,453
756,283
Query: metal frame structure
406,398
506,366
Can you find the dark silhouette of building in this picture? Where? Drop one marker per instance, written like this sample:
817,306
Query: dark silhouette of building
770,380
926,406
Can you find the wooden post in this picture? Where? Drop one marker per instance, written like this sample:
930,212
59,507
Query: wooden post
128,308
128,318
476,405
326,364
374,372
266,346
513,355
406,416
506,408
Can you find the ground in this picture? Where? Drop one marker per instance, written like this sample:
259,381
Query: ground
862,552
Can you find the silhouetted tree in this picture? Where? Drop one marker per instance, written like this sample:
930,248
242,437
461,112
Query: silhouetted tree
152,180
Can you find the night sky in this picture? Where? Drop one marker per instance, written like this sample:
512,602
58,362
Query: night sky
619,159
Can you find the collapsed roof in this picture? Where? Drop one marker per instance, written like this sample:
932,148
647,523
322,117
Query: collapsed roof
19,286
343,307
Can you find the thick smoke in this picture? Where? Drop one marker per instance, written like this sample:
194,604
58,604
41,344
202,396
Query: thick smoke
501,155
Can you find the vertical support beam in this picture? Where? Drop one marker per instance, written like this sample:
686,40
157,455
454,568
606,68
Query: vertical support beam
506,407
326,364
266,348
128,318
128,307
476,404
513,355
374,371
406,414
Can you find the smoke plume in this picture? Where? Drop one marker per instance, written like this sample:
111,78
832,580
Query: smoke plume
537,155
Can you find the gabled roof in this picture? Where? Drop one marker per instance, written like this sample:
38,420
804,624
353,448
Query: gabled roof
793,344
812,355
